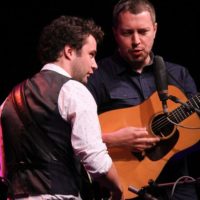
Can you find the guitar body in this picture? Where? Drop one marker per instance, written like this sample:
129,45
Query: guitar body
137,171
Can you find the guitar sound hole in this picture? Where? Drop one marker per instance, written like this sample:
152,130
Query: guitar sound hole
161,127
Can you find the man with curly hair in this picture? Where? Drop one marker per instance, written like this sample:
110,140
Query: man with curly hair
49,122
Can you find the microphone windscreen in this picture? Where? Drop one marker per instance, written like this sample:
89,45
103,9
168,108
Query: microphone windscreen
161,77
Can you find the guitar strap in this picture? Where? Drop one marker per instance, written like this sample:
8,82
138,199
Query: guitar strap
19,102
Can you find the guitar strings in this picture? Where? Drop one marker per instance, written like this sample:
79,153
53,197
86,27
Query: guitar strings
165,120
182,126
180,111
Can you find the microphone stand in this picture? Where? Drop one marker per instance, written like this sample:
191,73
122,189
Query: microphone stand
153,186
142,193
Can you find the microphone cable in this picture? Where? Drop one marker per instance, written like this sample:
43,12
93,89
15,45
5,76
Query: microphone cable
188,107
182,180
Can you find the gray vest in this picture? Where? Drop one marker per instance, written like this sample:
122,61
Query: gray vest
40,162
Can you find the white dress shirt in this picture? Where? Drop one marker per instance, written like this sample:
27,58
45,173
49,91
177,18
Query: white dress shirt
77,106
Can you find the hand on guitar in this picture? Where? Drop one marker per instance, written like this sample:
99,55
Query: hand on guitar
137,139
127,145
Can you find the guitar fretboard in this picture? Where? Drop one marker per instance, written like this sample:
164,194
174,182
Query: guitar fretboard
186,109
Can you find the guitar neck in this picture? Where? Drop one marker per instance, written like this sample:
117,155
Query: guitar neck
185,110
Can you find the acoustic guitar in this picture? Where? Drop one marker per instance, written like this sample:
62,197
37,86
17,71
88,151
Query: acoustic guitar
136,169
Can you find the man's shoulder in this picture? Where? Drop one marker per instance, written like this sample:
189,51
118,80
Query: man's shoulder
175,67
171,64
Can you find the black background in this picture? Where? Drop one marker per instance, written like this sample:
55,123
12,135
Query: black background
21,26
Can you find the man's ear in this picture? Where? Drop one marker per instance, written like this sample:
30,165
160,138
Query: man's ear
155,29
68,51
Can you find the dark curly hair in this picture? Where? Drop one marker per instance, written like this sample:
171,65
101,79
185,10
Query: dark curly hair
66,30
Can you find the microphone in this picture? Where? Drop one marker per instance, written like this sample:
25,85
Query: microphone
161,81
142,193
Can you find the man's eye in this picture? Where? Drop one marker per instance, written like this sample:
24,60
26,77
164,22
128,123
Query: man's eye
92,55
126,33
143,32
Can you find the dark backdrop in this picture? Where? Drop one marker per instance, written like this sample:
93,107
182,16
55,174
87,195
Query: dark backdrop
176,41
21,26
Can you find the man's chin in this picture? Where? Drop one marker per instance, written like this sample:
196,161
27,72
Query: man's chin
84,80
137,60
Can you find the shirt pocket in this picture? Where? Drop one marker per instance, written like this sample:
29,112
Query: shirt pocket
123,93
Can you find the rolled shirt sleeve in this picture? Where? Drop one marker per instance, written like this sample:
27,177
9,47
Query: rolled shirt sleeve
77,106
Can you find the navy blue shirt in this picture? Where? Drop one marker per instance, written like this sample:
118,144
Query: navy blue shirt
115,85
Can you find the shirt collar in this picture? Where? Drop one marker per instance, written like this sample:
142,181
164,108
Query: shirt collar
55,68
123,66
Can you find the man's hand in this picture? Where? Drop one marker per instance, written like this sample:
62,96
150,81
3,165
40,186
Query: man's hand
135,138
